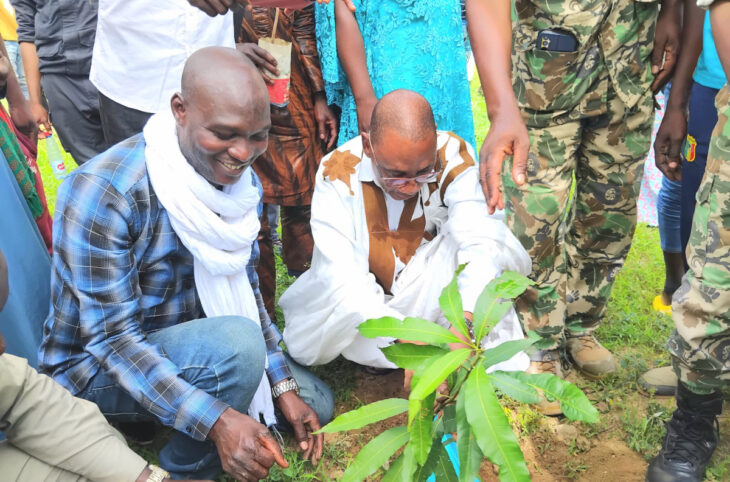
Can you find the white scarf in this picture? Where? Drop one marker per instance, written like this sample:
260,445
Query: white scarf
218,227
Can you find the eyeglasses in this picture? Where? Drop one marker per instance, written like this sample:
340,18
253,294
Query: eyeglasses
399,182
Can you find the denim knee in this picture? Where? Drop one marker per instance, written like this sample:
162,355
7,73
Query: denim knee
239,358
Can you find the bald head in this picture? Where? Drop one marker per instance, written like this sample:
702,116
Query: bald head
222,113
221,71
403,111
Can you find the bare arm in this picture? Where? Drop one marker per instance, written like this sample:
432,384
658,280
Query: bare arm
720,21
33,79
490,32
673,128
351,50
19,109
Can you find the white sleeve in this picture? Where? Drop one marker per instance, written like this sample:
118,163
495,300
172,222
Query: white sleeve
324,307
485,242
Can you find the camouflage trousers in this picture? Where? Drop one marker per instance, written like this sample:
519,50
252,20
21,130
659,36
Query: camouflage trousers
578,233
700,344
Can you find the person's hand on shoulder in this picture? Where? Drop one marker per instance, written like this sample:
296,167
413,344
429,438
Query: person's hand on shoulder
507,136
246,448
304,421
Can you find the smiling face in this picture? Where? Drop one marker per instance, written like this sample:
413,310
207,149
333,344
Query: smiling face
222,114
221,139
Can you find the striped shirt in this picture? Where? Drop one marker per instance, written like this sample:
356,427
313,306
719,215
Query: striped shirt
120,271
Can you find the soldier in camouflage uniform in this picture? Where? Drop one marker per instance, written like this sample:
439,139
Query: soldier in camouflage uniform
589,113
700,344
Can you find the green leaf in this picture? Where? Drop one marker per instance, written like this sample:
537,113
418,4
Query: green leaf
411,329
490,307
573,402
375,454
513,387
470,455
366,415
491,428
395,472
449,418
436,372
508,349
444,470
409,356
420,429
450,302
424,472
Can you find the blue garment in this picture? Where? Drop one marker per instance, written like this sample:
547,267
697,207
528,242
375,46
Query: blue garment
669,210
238,343
409,44
29,270
709,71
120,272
702,120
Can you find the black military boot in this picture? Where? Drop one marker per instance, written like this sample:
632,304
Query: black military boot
691,439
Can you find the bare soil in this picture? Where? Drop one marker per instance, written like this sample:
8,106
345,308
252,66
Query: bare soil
555,449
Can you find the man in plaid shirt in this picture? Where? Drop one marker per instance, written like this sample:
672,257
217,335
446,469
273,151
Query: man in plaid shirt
126,328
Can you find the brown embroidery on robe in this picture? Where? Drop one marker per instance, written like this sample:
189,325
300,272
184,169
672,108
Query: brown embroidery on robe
341,165
383,242
468,161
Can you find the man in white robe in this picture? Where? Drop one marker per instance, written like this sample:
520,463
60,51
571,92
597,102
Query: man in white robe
395,212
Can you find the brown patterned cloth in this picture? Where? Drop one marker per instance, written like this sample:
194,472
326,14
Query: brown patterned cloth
288,168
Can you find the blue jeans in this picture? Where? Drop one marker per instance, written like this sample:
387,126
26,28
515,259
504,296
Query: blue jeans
16,61
201,349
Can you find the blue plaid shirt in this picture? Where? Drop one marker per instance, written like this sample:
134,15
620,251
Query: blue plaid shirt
120,271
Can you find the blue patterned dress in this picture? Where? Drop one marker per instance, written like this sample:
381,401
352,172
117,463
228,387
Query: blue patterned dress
409,44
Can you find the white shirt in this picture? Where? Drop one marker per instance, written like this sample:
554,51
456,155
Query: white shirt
141,47
325,305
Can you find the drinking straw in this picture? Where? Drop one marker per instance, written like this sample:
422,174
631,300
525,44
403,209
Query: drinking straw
276,21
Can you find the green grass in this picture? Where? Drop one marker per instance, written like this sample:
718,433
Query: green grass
631,329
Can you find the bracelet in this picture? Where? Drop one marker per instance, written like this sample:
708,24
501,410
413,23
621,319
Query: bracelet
157,474
286,386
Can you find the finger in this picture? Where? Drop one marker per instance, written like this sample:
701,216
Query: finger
494,181
300,433
316,441
318,448
267,79
264,54
350,5
218,6
254,471
322,128
270,444
657,56
519,162
333,133
207,9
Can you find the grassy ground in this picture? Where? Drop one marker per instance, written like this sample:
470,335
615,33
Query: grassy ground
632,330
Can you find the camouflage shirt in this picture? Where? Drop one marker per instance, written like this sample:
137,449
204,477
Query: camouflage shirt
615,41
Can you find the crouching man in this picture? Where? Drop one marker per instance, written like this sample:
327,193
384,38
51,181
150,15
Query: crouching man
156,311
395,212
